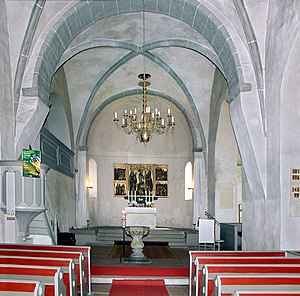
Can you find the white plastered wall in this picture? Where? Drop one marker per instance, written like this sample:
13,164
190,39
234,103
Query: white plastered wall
108,145
290,150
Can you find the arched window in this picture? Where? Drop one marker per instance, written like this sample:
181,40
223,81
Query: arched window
93,178
188,187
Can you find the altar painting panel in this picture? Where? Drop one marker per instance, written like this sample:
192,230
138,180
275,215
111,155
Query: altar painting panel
142,180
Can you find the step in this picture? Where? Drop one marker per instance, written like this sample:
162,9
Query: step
169,281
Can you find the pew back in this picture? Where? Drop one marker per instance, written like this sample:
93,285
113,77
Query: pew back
51,277
201,261
76,256
85,250
225,285
67,265
209,272
21,287
194,254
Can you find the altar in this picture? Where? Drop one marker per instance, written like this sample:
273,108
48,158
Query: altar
141,216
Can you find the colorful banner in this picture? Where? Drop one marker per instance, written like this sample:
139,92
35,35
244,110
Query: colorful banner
31,163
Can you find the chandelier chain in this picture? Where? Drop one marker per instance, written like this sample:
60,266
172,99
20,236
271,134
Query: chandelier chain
150,121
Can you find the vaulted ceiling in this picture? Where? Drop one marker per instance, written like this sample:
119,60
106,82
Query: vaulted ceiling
98,47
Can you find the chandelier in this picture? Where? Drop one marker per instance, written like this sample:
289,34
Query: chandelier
149,122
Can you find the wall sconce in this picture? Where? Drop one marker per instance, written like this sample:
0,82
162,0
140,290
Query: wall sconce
89,184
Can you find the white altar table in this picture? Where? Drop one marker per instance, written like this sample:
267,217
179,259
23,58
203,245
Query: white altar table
138,216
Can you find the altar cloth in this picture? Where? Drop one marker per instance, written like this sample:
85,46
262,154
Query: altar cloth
138,216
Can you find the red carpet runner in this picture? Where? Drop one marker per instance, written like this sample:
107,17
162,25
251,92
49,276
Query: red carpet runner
139,271
138,288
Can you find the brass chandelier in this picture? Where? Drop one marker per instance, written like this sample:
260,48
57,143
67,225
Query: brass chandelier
149,122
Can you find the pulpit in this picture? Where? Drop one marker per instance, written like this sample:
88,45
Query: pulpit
141,216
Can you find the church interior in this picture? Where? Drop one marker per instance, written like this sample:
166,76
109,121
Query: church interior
150,122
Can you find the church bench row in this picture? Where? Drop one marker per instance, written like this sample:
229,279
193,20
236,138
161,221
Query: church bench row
21,288
51,277
209,272
194,254
67,265
201,261
226,285
84,250
77,257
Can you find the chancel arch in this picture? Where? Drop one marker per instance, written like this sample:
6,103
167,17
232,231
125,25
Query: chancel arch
108,145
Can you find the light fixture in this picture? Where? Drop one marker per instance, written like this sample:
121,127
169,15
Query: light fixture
149,122
89,184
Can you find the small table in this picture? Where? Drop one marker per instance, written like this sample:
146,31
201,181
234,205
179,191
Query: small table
137,233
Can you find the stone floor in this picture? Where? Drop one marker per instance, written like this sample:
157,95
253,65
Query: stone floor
99,257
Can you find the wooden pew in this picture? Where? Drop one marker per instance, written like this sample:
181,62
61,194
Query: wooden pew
225,285
209,272
85,250
76,256
51,277
67,265
21,288
201,261
194,254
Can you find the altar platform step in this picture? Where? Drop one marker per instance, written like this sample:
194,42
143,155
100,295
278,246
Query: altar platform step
169,281
171,276
174,237
108,235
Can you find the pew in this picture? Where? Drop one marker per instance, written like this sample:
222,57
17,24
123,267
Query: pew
201,261
194,254
209,272
225,285
51,277
76,256
67,265
85,250
21,288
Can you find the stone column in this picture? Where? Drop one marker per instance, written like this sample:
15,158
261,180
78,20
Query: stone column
81,196
200,186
